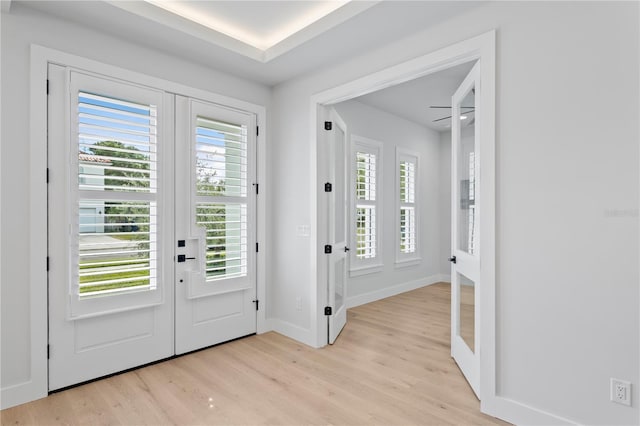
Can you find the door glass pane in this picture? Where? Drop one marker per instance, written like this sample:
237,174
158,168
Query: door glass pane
467,177
226,230
117,181
117,246
117,144
221,158
221,172
467,310
340,274
339,186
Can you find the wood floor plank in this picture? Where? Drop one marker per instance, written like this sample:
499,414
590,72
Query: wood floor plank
391,365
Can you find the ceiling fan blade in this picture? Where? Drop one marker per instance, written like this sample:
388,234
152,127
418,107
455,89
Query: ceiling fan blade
464,112
438,106
440,119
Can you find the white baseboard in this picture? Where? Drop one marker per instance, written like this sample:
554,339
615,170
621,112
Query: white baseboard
383,293
302,335
445,277
521,414
20,393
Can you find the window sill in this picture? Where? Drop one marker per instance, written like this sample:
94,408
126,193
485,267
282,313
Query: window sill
404,263
365,270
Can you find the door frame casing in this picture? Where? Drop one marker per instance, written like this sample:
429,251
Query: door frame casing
483,49
37,386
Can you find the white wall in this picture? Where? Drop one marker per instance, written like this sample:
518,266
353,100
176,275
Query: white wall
19,29
567,198
393,131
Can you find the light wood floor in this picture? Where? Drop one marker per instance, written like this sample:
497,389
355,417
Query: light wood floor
391,366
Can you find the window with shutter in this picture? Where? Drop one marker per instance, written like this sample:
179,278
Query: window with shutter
407,172
366,204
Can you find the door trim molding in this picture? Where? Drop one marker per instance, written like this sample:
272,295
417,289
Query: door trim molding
37,385
483,49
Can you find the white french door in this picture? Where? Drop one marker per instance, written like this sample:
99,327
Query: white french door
215,224
110,226
132,170
466,203
337,225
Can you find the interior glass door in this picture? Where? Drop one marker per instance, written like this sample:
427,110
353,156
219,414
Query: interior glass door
465,260
337,226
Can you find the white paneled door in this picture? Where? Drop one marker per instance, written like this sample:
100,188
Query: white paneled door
151,225
338,154
215,224
465,259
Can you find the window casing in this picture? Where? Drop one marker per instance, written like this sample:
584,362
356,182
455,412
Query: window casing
366,195
407,224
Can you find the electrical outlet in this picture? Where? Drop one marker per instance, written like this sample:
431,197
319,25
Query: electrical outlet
299,303
620,391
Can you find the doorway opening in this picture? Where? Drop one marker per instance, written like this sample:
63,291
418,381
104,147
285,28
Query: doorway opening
399,179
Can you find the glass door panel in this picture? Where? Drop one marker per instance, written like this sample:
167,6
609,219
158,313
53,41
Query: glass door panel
466,168
465,266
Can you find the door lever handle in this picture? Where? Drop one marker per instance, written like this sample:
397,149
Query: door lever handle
452,259
184,258
346,249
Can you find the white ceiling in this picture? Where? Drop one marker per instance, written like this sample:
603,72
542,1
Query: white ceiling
411,100
343,33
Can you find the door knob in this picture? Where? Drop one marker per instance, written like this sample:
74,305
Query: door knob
452,259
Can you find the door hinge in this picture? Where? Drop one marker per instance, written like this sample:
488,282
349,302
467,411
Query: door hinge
47,263
47,175
48,351
328,187
328,125
257,185
257,302
327,249
47,86
257,131
328,311
257,248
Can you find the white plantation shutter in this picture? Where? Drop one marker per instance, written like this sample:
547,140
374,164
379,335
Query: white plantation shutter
366,204
407,231
221,187
407,207
365,232
116,131
116,202
117,207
